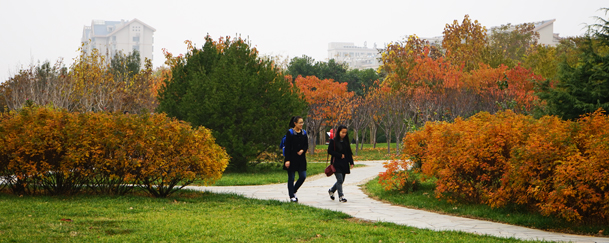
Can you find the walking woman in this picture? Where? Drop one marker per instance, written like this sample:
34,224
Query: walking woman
296,146
342,159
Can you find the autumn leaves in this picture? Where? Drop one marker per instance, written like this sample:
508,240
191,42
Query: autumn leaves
60,152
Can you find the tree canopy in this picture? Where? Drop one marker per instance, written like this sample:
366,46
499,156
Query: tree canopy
584,87
226,87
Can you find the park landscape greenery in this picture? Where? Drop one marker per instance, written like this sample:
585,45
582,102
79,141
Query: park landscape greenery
492,120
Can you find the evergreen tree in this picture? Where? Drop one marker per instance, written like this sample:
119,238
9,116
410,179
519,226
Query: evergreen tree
227,87
125,65
584,87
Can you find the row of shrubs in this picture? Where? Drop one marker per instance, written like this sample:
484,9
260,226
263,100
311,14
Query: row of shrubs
45,150
551,166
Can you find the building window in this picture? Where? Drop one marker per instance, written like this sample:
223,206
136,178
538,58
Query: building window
114,38
136,48
136,39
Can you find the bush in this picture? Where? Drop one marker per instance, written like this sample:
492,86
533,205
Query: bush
60,152
399,176
552,166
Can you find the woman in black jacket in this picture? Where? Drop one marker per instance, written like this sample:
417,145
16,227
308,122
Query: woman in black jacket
342,159
296,146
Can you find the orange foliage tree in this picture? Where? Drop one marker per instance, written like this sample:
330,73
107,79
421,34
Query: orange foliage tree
329,104
464,42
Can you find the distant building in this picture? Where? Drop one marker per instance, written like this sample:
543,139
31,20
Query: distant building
109,37
357,57
547,36
545,29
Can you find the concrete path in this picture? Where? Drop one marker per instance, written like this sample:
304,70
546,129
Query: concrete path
314,193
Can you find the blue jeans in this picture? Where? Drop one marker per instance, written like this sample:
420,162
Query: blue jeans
293,188
340,178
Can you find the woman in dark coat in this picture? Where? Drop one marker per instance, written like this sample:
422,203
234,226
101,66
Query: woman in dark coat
342,159
296,146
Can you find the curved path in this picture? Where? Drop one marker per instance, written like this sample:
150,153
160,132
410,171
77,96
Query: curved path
314,193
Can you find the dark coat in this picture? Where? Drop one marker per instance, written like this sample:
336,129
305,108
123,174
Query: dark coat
293,144
341,165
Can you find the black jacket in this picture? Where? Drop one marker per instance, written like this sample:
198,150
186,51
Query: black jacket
341,165
293,144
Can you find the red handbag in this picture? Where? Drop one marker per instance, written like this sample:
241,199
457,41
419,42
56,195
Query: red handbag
330,168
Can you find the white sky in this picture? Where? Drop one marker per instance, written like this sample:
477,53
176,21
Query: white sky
48,30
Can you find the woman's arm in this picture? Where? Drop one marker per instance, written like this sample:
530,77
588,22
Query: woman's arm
288,146
332,151
306,146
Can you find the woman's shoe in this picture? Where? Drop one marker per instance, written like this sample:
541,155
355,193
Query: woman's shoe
331,194
342,199
293,199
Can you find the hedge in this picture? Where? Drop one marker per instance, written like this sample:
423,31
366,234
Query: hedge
552,166
59,152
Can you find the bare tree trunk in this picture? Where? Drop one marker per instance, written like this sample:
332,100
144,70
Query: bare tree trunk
373,129
388,136
355,132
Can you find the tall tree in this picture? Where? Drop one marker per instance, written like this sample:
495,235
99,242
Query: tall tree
226,87
584,87
360,81
328,104
508,45
399,60
361,116
464,42
303,66
125,65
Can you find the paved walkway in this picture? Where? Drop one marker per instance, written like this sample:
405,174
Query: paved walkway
314,193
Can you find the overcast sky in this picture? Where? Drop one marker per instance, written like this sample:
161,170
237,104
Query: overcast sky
32,31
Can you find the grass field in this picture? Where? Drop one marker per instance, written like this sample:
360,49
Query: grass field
195,217
424,199
263,175
368,153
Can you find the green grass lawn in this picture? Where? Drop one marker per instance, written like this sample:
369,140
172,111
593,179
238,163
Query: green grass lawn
195,217
424,199
368,153
265,174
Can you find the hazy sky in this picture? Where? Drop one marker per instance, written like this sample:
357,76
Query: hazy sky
48,30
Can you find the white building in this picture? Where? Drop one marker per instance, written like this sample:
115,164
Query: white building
357,57
547,36
110,37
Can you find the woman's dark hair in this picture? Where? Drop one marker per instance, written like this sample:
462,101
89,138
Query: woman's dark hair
294,120
337,138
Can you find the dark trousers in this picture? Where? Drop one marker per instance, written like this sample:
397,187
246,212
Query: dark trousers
293,188
340,178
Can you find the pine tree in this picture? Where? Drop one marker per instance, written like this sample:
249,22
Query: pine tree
584,87
245,100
